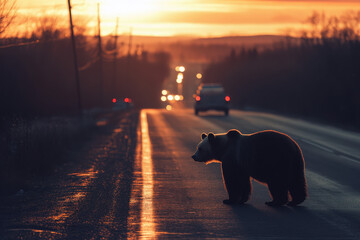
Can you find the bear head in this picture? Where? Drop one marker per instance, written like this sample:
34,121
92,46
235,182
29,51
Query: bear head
212,146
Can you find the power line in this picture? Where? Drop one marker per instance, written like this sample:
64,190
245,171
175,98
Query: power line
88,65
111,52
20,44
30,43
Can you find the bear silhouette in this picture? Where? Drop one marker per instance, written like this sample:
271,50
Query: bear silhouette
270,157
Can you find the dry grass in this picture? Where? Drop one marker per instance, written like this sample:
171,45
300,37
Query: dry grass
33,147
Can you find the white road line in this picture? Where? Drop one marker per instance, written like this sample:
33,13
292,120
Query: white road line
350,159
147,227
342,155
143,226
317,145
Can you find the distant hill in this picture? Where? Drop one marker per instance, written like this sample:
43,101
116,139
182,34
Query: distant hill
228,40
193,48
242,40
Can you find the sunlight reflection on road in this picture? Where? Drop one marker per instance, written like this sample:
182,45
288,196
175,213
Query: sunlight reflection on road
63,210
147,227
143,180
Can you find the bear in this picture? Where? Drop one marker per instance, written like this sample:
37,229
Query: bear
270,157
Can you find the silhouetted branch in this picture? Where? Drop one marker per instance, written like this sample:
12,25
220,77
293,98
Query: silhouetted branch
7,14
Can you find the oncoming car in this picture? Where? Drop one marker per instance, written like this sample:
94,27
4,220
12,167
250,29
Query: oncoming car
211,97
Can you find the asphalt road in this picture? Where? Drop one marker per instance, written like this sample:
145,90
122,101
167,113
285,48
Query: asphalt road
87,197
179,198
138,181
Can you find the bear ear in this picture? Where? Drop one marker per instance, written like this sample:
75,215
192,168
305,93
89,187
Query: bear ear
203,135
211,137
233,133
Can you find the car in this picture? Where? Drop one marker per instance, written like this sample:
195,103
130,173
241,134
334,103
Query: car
211,97
122,103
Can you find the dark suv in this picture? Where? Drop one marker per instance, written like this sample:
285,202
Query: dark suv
211,97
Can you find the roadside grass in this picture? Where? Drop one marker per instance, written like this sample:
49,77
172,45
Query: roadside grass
34,147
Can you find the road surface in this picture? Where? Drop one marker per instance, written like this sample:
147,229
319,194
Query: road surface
183,199
138,181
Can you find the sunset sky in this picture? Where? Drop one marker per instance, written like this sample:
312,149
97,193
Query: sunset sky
204,18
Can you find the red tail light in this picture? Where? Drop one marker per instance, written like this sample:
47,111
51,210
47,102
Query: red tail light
127,100
114,100
197,98
227,98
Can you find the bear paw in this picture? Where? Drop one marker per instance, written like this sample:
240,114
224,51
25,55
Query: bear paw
294,203
232,202
275,203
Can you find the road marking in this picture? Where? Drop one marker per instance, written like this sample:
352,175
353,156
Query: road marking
317,145
143,226
141,198
147,227
345,156
351,159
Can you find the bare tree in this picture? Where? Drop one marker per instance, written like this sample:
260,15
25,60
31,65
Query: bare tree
345,27
7,13
47,27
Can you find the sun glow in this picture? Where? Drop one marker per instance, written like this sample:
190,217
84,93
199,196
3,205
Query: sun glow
130,8
211,18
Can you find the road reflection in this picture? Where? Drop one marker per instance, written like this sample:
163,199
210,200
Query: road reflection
147,227
64,208
143,183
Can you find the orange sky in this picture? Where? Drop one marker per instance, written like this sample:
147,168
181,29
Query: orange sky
186,17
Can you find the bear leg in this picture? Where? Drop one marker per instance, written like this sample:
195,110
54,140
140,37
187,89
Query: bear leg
297,196
279,193
245,187
237,185
241,194
298,189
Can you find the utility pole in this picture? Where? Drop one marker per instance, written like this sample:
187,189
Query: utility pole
115,55
130,42
75,61
100,58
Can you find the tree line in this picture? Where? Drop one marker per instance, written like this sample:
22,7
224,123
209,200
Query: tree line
39,78
39,120
315,76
